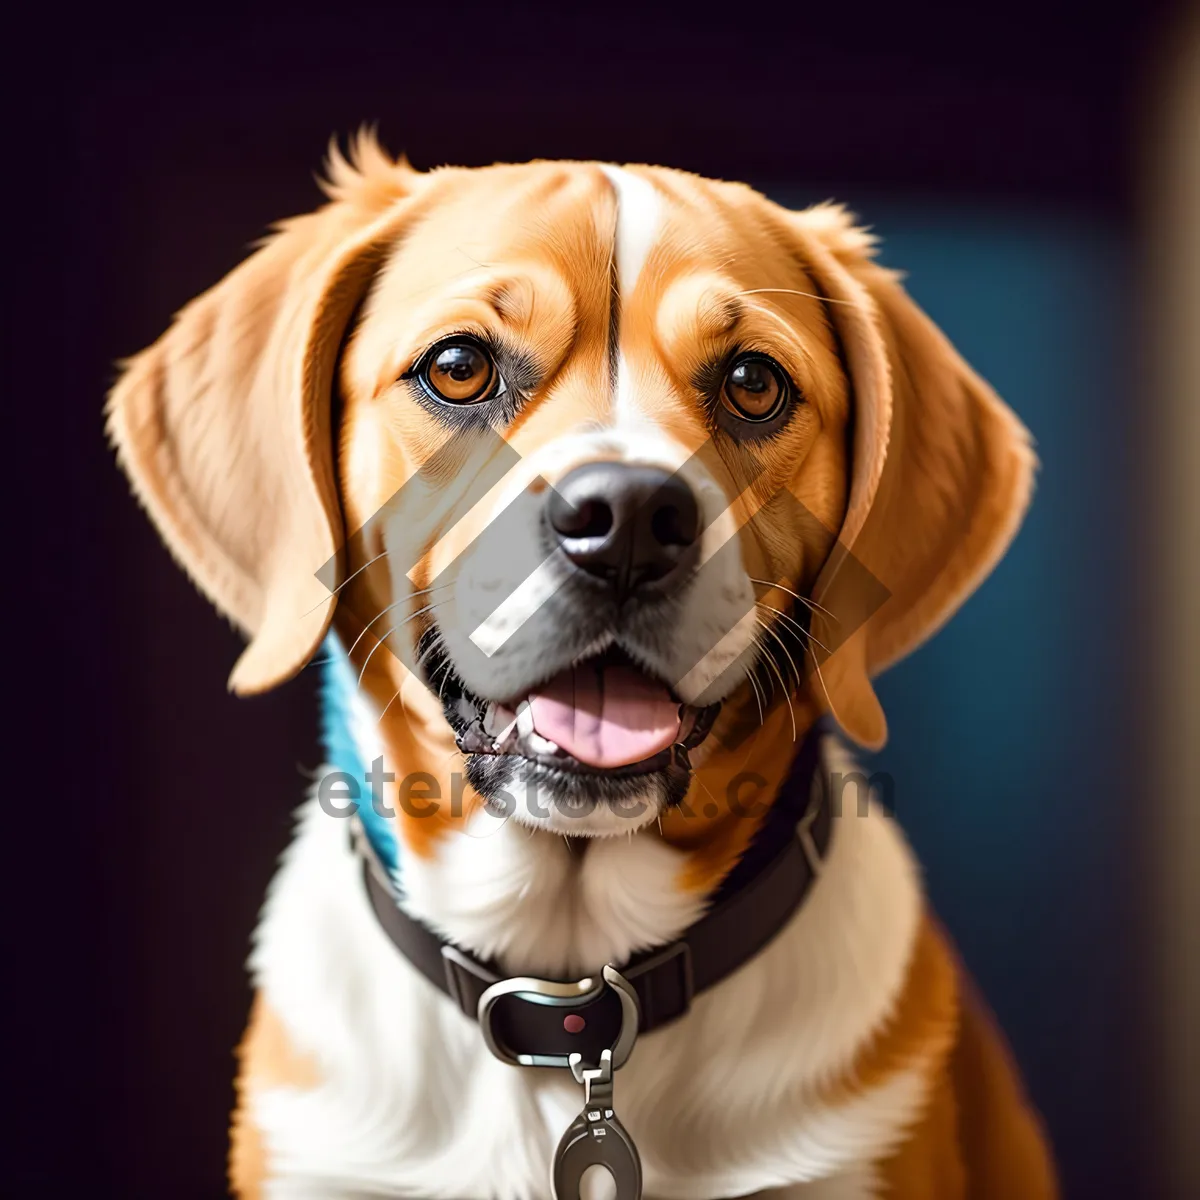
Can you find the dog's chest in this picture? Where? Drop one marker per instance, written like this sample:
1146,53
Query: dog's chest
727,1101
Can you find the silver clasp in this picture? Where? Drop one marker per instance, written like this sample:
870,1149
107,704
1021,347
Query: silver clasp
563,995
596,1137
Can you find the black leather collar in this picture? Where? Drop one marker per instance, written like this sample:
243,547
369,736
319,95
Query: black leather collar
537,1022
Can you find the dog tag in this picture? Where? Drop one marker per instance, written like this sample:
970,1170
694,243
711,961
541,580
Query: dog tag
596,1138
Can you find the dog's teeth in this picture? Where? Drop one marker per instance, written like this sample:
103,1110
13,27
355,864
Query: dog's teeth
687,721
541,745
496,718
532,739
502,738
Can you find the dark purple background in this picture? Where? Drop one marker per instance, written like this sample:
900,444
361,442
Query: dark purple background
157,151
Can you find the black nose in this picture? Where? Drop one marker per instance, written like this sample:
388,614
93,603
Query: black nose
628,525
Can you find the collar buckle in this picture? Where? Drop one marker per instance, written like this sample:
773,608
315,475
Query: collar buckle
567,998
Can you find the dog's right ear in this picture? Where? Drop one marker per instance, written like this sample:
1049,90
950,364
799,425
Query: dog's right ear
223,425
941,474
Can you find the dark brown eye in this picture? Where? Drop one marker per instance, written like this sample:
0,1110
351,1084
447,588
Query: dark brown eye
755,388
460,372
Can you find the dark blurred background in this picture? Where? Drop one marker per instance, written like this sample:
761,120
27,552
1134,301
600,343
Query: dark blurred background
997,149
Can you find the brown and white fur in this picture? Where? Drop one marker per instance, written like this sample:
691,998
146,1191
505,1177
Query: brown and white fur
846,1060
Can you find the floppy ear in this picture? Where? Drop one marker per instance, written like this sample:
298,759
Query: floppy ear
223,425
941,475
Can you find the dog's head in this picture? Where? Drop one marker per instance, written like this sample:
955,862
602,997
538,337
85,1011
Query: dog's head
589,465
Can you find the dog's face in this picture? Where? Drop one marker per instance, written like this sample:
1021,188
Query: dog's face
624,455
650,366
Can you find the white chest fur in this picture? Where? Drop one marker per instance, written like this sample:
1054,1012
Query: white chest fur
725,1102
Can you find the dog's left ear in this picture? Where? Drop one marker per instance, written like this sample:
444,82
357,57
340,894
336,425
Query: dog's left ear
223,425
941,475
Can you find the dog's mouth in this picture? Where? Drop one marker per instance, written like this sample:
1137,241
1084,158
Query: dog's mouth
603,715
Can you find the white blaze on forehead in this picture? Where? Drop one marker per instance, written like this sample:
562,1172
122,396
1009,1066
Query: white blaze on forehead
639,216
639,210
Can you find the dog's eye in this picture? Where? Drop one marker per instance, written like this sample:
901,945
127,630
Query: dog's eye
755,388
459,372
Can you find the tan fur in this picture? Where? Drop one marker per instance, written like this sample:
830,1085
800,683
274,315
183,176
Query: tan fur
978,1138
942,474
265,1060
224,428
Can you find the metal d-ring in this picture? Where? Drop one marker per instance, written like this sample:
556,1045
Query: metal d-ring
562,995
596,1138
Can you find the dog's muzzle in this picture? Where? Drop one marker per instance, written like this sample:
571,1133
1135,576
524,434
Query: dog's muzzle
570,689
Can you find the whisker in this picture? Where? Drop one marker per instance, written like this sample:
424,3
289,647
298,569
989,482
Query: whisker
433,645
760,646
707,791
775,666
404,706
783,616
778,318
334,591
758,698
442,685
433,587
799,628
783,646
794,292
803,599
389,608
321,662
813,606
417,668
391,630
395,696
372,621
828,698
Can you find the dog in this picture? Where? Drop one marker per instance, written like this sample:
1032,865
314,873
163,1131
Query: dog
602,493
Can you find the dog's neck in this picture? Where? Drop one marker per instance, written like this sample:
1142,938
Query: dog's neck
532,901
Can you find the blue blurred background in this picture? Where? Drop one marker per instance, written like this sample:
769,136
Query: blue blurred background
1014,740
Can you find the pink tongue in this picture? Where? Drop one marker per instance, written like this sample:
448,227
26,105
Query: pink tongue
606,719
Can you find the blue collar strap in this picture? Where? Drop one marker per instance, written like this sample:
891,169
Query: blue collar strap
338,686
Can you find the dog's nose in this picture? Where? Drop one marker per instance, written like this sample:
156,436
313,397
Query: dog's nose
628,525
